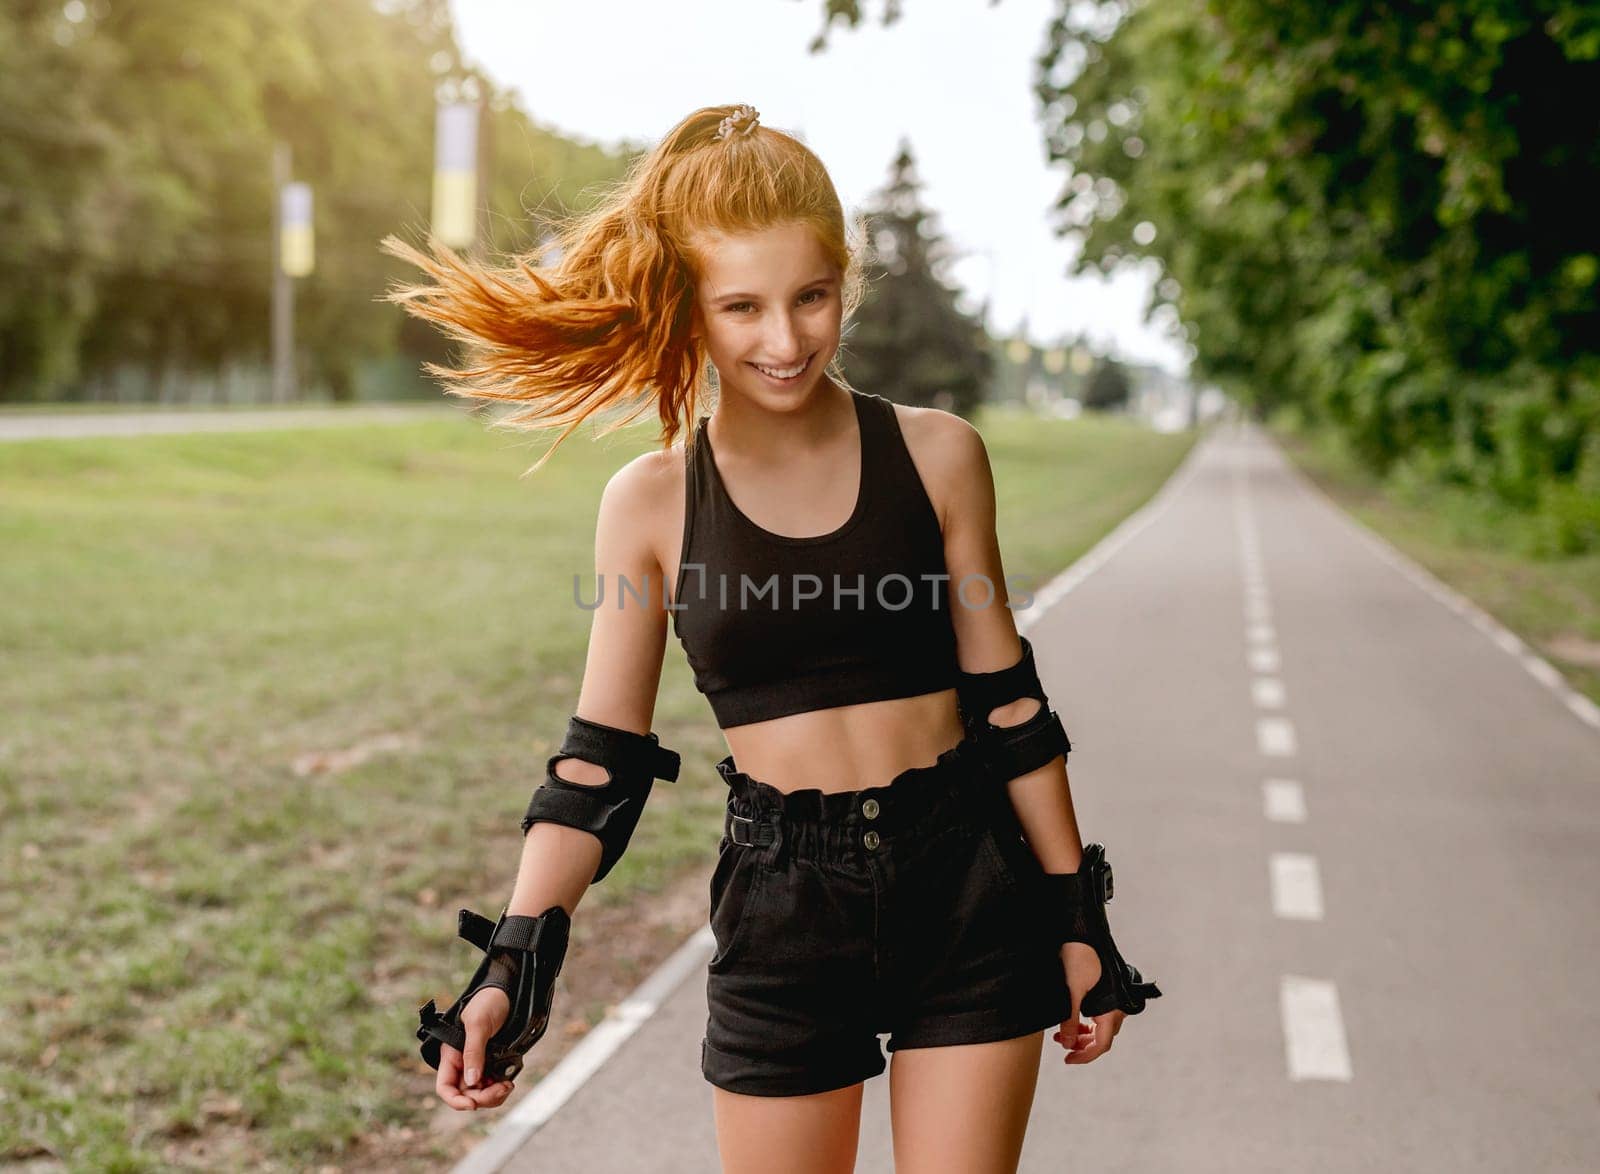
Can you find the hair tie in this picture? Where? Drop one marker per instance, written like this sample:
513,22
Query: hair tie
746,114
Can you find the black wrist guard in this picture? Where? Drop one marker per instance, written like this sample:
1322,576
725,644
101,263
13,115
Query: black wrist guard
1077,901
521,956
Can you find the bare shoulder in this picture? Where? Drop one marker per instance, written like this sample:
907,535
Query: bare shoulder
642,508
949,454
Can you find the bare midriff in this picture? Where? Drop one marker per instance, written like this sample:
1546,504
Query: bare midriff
848,747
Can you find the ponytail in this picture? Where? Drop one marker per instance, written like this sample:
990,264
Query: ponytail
608,324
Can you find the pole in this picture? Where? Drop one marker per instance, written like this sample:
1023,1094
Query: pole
485,169
283,380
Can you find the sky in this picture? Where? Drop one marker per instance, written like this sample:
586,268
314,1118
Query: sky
954,77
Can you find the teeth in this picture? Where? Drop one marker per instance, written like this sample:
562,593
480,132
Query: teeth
776,374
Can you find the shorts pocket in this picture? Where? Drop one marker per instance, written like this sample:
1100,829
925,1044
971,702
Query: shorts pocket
735,884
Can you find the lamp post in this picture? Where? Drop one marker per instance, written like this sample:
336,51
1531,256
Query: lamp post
292,256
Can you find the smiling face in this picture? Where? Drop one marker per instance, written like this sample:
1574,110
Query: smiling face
768,299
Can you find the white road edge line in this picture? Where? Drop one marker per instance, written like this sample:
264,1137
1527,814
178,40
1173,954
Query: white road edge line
1540,669
540,1102
1098,555
1313,1029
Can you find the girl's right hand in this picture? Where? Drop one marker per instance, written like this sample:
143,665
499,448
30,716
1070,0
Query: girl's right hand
460,1074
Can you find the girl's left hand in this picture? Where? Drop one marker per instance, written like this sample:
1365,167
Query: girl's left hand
1084,1042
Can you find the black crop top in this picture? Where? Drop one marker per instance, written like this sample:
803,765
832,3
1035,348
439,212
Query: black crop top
775,625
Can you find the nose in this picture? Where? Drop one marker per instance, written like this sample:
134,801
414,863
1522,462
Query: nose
783,340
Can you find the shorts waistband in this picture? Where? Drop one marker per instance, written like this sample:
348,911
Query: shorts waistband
754,807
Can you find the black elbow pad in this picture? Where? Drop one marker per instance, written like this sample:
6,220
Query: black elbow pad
1012,750
611,809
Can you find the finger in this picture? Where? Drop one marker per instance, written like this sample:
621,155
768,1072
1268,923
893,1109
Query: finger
491,1096
1074,1034
1069,1031
472,1056
445,1084
1081,1044
1098,1045
1071,1024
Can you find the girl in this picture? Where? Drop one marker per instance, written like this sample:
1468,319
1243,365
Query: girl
873,876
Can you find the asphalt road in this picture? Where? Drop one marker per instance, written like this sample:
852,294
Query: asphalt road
1355,842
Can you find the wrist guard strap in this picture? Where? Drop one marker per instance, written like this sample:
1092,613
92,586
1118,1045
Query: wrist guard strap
1077,902
521,956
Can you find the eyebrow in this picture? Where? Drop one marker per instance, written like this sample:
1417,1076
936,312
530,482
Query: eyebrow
748,297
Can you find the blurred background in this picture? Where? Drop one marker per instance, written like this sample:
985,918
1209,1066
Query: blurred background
286,640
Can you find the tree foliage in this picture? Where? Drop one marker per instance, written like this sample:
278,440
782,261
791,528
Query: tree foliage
136,184
1378,217
909,340
1383,216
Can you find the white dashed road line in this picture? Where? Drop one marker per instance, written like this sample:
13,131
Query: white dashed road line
1296,886
1284,801
1264,660
1267,692
1275,737
1313,1029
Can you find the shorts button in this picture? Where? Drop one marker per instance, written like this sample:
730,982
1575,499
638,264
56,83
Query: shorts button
870,840
870,809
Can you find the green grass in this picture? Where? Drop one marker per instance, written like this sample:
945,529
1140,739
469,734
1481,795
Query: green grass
201,943
1476,547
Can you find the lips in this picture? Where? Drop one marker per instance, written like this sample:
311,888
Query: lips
806,366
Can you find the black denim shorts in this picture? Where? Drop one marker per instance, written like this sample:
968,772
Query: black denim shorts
909,909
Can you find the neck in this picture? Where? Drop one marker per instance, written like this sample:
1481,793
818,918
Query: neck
742,424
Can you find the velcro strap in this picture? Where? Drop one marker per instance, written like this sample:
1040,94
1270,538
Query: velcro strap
436,1029
1017,750
622,752
577,806
511,932
475,929
982,693
518,932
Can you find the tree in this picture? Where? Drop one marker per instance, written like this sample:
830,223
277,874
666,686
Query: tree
1382,216
1108,388
909,340
136,181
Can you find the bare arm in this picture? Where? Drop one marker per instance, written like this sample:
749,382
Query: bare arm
987,641
620,679
621,675
986,637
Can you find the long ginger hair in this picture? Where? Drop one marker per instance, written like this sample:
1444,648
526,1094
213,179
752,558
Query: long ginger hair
608,322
